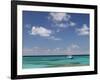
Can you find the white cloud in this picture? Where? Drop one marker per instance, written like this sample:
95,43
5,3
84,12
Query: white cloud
59,16
62,25
58,30
73,47
28,25
84,30
54,38
72,23
61,19
41,31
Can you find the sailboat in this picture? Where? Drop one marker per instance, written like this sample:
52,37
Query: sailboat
69,56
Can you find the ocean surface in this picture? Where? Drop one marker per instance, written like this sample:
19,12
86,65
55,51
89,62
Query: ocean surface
54,61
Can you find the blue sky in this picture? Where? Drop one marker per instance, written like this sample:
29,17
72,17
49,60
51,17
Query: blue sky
49,31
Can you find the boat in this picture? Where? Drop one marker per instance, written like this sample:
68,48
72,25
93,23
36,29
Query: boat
70,57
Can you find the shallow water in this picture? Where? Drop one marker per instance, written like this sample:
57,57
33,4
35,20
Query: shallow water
54,61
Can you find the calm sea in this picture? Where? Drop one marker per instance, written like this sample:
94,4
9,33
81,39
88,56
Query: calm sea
54,61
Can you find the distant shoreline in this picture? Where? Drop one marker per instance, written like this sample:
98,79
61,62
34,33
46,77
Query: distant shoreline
51,55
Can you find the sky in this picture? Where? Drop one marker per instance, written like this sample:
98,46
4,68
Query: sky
55,33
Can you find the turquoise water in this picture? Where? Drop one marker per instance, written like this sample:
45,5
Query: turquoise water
54,61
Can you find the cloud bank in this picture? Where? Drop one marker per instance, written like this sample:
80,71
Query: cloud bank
72,49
